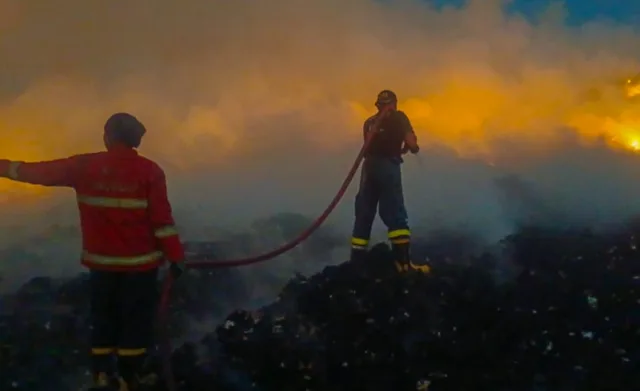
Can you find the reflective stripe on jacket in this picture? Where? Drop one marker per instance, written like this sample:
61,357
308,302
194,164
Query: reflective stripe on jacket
125,215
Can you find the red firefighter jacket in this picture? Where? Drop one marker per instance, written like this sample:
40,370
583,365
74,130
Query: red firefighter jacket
125,215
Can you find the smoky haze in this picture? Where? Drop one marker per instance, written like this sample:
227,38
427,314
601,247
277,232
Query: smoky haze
256,107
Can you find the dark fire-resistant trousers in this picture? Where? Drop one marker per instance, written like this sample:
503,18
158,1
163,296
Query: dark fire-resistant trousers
380,190
123,309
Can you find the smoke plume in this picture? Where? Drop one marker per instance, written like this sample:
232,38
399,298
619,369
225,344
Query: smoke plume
255,108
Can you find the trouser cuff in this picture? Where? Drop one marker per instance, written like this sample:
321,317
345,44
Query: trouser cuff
399,236
102,360
359,243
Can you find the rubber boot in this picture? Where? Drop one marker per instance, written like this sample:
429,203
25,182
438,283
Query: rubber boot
134,376
103,382
123,385
419,268
128,367
146,382
403,263
103,368
401,256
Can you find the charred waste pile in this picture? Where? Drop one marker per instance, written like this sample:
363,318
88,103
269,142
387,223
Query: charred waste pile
553,310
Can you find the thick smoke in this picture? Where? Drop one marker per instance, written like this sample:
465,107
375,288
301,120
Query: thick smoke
255,108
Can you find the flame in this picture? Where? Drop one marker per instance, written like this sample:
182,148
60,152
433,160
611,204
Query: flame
625,135
471,116
632,88
468,112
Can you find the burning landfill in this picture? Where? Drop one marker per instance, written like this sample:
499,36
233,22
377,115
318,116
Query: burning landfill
564,317
527,179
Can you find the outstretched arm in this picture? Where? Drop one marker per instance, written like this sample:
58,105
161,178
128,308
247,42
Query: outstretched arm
60,172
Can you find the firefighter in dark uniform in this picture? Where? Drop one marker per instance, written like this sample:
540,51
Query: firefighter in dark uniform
127,233
381,182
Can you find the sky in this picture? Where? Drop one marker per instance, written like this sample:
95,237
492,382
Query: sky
577,11
255,108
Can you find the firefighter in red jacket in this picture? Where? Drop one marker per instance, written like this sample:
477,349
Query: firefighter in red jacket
127,232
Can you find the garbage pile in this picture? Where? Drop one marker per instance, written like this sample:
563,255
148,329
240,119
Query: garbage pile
567,319
547,310
45,328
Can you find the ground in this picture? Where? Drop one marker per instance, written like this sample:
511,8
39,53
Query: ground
549,310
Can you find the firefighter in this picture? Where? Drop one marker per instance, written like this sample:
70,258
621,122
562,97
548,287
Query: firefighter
127,233
381,182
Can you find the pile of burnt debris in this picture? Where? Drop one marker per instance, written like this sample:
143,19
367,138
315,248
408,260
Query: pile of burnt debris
552,310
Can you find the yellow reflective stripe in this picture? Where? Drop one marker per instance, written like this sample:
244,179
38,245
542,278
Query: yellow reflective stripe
399,232
359,241
102,351
108,202
131,352
355,246
122,261
12,171
400,241
167,231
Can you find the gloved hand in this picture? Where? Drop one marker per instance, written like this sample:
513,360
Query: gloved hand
384,113
406,149
176,269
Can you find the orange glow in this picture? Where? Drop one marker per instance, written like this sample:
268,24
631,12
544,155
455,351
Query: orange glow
625,135
471,116
244,81
468,114
633,88
12,149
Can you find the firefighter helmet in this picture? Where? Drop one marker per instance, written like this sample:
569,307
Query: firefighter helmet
386,97
125,128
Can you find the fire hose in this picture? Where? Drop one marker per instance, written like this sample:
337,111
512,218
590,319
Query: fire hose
163,311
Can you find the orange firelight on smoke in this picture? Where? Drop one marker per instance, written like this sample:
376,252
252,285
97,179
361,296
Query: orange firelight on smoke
15,149
474,115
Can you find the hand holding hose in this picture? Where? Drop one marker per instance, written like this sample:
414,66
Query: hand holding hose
406,149
177,269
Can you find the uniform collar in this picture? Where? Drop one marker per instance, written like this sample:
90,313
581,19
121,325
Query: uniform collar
122,150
